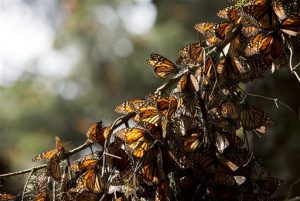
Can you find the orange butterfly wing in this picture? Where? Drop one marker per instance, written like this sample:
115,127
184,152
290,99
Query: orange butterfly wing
162,66
136,139
58,152
191,55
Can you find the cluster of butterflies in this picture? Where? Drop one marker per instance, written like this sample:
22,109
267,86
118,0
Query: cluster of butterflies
184,143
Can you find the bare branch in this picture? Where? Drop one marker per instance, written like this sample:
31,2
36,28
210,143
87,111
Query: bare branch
23,171
293,68
290,191
26,183
118,122
296,74
275,100
294,199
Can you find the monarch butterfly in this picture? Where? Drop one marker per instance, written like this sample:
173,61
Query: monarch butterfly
167,106
214,33
86,163
210,164
291,8
187,105
208,30
58,152
250,26
259,43
137,140
187,125
188,84
148,114
121,162
206,74
222,29
204,27
90,180
82,195
279,10
152,98
42,195
6,197
162,66
230,109
221,142
291,26
157,131
191,55
239,179
253,118
150,172
54,169
234,70
158,162
133,105
226,125
232,14
192,142
98,134
230,164
262,11
260,64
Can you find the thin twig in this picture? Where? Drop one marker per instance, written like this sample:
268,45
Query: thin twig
54,191
294,199
290,189
26,183
63,182
114,156
65,156
275,100
246,139
291,58
23,171
296,74
291,63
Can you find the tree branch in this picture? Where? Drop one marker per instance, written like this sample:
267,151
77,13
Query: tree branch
26,183
23,171
118,122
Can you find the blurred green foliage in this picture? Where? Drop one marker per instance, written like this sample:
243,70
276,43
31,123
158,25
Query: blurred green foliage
31,114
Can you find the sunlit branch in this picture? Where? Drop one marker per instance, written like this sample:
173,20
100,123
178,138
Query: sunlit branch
293,69
115,125
297,198
26,183
23,171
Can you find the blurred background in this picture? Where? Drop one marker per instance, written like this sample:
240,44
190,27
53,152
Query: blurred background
65,64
